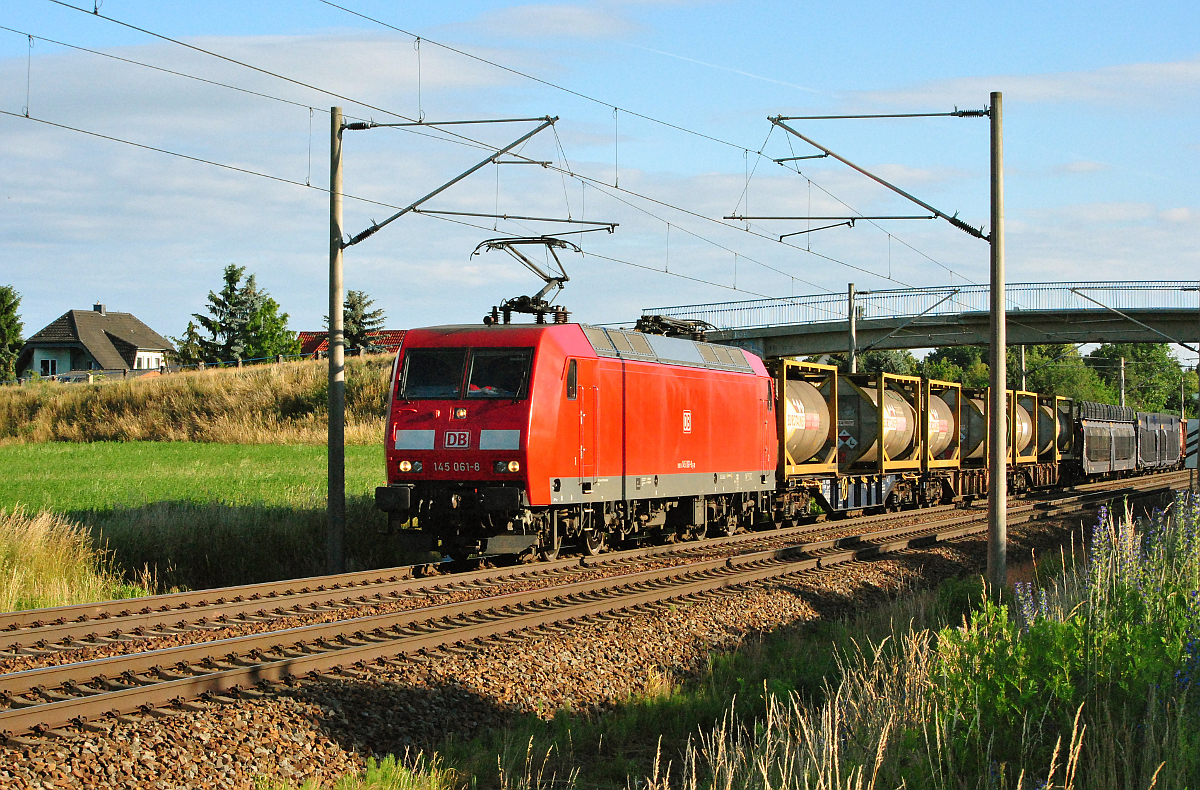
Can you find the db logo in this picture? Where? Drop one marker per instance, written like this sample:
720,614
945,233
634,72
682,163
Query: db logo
457,440
687,422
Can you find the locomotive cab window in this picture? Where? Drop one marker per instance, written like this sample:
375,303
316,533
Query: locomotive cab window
433,373
572,380
499,373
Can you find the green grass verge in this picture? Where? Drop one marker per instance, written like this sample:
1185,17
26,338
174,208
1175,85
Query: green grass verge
199,515
69,477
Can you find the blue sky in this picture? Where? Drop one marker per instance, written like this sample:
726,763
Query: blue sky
1101,140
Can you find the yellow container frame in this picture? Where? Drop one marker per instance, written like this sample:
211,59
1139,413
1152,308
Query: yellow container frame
952,455
825,379
909,388
1029,400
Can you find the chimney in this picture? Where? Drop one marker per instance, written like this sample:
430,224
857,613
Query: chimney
99,308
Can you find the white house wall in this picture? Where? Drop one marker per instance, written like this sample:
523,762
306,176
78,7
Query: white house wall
148,360
61,356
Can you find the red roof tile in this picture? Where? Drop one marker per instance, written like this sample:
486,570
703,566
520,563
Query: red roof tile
313,343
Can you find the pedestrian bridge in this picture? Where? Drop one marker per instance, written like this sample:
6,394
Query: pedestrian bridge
1075,312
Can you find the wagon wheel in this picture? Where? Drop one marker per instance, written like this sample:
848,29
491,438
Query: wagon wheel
724,528
593,542
548,547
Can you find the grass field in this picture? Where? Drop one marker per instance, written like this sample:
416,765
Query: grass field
68,477
201,515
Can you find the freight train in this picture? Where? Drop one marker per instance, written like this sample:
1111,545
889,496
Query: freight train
526,439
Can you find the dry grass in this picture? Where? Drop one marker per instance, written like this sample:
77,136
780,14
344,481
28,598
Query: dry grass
46,560
263,404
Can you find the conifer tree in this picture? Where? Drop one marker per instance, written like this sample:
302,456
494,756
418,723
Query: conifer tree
244,322
10,332
360,322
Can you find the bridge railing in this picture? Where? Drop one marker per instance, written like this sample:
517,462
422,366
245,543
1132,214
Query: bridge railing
938,300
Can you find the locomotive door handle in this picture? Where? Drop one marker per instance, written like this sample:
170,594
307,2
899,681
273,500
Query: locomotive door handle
595,433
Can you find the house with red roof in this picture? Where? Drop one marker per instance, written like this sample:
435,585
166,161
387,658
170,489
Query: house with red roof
315,344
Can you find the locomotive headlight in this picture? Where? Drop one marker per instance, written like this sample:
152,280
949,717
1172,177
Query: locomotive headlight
409,466
502,467
514,466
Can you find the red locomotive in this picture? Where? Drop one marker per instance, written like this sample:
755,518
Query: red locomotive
522,439
508,438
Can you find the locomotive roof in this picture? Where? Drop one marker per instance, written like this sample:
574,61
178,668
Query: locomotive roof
634,346
660,348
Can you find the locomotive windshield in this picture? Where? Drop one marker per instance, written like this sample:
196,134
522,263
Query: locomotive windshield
433,373
499,372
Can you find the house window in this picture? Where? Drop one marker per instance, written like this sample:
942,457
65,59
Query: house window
49,367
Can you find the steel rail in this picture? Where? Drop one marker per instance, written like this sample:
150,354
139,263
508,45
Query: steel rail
79,626
332,645
229,601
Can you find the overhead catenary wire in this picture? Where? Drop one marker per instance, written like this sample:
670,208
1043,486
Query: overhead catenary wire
525,75
604,103
28,75
463,138
347,196
471,141
604,187
216,83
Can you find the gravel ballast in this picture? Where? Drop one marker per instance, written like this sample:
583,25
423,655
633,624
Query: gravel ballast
323,729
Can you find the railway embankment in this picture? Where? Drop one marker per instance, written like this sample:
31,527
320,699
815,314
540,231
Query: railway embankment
584,700
281,403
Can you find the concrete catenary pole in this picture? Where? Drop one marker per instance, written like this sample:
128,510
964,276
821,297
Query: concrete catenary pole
1122,382
851,312
335,537
1022,367
997,440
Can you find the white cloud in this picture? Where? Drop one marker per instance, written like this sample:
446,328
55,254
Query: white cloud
1182,214
554,21
1127,84
1080,167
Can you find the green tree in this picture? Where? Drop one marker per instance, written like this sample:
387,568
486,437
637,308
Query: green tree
188,348
964,364
1152,374
1059,370
899,361
360,322
10,332
267,332
1049,370
244,322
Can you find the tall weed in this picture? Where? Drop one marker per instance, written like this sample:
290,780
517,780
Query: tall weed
1087,684
46,560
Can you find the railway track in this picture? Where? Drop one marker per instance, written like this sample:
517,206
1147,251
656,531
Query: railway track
153,682
38,633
